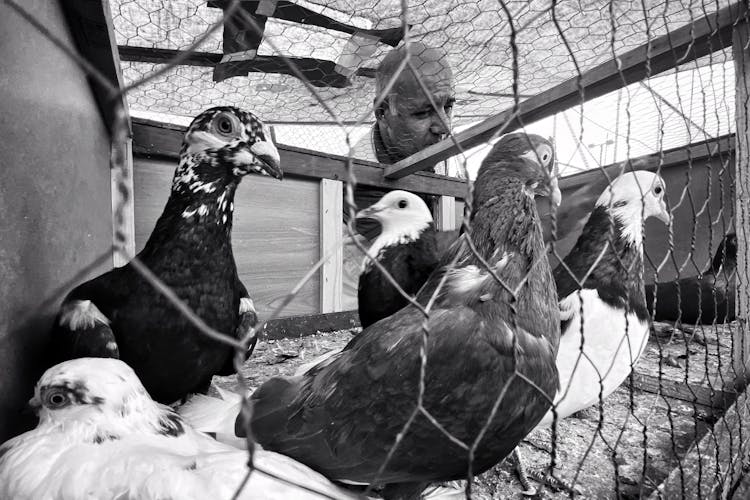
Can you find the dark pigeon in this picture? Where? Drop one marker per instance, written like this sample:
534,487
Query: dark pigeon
120,315
704,299
343,416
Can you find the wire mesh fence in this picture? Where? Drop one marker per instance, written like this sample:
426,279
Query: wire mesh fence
663,378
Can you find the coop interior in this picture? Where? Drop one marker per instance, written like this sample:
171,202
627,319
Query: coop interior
97,97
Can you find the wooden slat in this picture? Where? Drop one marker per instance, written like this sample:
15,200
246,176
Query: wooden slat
123,201
687,43
446,214
302,326
90,23
713,465
741,335
150,139
331,231
695,153
691,393
318,72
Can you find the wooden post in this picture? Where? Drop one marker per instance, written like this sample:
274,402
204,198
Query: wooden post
741,54
331,232
123,202
445,218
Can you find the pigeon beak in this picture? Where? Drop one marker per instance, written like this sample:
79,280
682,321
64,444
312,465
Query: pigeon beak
267,159
664,214
32,407
369,212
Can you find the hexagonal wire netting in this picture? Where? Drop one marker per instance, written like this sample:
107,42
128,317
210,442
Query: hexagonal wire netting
311,77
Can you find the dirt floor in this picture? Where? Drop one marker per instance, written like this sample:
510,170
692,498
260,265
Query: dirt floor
625,449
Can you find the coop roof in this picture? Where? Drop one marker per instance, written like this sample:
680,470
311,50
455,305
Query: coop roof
690,103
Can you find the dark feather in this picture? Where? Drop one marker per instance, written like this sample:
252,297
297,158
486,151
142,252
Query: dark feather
342,417
617,277
409,264
703,299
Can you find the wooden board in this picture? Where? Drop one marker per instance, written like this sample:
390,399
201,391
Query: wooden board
714,464
331,231
741,56
275,233
303,326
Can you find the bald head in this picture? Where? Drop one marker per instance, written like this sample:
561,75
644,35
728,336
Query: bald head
430,63
407,119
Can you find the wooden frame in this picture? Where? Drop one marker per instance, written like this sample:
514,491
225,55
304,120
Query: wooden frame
90,23
685,44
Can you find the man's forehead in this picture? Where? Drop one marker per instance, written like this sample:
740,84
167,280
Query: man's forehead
412,94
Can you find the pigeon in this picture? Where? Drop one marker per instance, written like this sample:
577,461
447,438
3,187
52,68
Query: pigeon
119,314
490,369
607,260
100,435
405,247
704,299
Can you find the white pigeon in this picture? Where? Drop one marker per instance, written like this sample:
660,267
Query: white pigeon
610,302
604,320
101,436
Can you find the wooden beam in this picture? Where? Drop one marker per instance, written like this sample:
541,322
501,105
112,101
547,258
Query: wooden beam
122,200
90,23
302,326
331,233
445,219
690,393
698,152
154,139
318,72
740,337
713,465
685,44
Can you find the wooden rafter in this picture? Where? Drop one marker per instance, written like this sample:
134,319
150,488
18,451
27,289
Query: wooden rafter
683,45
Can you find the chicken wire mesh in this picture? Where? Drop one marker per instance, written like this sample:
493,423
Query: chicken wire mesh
502,53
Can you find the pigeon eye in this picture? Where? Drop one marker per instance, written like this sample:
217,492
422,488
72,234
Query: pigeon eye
55,398
657,190
224,125
402,204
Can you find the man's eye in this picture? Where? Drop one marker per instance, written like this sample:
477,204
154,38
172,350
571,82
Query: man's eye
422,114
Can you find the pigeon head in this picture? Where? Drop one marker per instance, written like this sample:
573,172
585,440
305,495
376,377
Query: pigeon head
401,212
634,197
529,157
104,394
225,143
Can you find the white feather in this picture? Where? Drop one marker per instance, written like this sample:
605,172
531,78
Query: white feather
613,342
59,460
79,314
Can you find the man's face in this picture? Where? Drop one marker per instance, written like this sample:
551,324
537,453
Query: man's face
409,122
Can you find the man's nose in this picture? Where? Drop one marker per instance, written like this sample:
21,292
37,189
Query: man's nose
441,122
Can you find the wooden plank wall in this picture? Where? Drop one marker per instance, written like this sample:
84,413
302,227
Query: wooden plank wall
275,234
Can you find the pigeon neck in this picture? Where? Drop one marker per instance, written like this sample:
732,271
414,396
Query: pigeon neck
396,236
507,222
618,274
198,219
